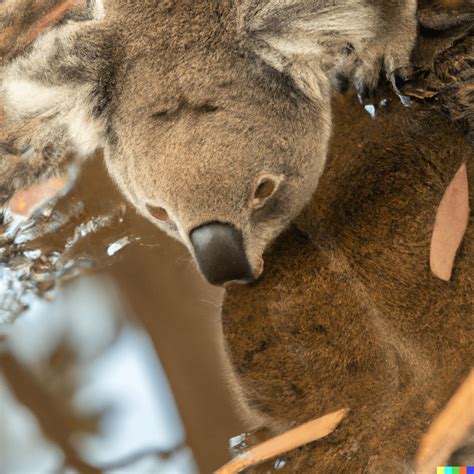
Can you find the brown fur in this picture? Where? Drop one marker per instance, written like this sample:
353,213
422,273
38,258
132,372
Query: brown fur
347,313
194,101
443,60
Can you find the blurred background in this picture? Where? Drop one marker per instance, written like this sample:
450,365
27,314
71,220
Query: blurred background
111,354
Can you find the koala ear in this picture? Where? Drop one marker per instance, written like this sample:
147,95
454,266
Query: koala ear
62,81
290,34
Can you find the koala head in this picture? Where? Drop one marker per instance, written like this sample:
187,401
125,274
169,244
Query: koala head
208,140
223,161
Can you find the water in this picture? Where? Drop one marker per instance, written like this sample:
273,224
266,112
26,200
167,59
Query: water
78,232
243,442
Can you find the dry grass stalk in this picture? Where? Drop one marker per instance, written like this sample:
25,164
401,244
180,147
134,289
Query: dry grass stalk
449,430
51,18
285,442
21,21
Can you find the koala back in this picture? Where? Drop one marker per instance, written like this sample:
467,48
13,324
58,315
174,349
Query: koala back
347,313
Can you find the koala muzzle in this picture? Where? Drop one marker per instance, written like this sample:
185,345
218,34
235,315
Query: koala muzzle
220,253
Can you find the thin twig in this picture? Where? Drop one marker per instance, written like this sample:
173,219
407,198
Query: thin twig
285,442
449,430
54,16
21,21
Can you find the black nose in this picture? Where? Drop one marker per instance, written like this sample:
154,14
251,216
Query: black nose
220,253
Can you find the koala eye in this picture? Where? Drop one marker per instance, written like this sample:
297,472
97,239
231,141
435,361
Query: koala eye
265,188
158,213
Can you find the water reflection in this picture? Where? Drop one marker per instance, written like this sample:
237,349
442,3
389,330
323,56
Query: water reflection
241,443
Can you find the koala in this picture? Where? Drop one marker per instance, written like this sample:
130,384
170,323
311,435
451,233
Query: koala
347,313
214,116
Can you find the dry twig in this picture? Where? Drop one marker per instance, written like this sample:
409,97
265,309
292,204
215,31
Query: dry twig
449,430
21,21
285,442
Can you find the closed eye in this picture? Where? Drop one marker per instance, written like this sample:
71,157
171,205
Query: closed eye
170,112
206,108
165,114
168,109
160,114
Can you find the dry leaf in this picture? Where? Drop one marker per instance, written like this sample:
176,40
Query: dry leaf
24,202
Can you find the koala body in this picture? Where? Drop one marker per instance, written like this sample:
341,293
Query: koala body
347,313
214,116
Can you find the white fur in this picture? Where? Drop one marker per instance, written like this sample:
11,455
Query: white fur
25,99
344,17
68,106
28,98
98,9
84,131
300,43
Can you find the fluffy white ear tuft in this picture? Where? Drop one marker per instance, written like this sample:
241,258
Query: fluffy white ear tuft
303,36
97,7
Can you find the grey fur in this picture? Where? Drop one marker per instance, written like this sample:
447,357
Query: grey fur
194,101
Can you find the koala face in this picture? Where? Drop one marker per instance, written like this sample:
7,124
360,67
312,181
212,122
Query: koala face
222,162
214,115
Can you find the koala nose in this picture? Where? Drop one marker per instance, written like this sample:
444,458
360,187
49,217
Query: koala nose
220,253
